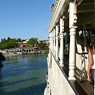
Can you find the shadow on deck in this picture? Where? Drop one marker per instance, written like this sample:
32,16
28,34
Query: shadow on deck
83,87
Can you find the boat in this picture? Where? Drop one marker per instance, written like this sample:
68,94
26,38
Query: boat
67,71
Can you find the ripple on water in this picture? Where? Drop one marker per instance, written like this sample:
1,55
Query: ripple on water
25,76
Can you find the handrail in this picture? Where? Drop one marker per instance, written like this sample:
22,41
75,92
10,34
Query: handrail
84,52
64,74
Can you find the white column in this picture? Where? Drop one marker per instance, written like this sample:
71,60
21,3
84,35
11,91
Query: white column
52,45
62,41
54,35
49,55
72,26
50,40
57,45
53,41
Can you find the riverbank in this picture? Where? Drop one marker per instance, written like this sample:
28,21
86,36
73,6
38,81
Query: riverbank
6,55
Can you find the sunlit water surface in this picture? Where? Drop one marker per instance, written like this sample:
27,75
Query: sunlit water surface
23,75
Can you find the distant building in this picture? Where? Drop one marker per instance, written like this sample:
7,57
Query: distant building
43,41
23,44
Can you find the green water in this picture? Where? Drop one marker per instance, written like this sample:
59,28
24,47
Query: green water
23,75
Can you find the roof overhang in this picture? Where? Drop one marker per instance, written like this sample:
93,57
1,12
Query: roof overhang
86,13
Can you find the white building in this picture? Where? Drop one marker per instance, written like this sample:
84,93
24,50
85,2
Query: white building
43,41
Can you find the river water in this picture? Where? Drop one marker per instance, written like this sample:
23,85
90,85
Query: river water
23,75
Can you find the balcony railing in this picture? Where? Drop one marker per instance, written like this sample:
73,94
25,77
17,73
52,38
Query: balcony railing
58,80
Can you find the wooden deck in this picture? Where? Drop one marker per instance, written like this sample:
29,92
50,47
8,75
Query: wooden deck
83,88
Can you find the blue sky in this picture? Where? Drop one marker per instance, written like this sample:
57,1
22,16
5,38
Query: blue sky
25,18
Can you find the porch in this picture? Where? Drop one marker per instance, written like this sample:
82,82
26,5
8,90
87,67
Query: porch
58,83
67,72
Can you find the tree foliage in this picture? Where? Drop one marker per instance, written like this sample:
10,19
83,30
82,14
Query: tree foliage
8,43
43,46
32,42
19,40
11,43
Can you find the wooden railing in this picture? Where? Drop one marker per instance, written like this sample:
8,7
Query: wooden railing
58,81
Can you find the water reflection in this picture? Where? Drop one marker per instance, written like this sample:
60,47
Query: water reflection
22,75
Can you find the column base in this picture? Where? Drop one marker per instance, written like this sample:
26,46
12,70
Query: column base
61,65
57,59
72,78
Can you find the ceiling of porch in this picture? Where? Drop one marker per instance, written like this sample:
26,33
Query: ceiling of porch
85,15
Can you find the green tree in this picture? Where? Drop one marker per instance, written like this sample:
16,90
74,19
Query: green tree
19,40
2,40
9,38
32,42
43,46
9,43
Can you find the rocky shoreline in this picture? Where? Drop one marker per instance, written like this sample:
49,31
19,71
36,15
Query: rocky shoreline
6,55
